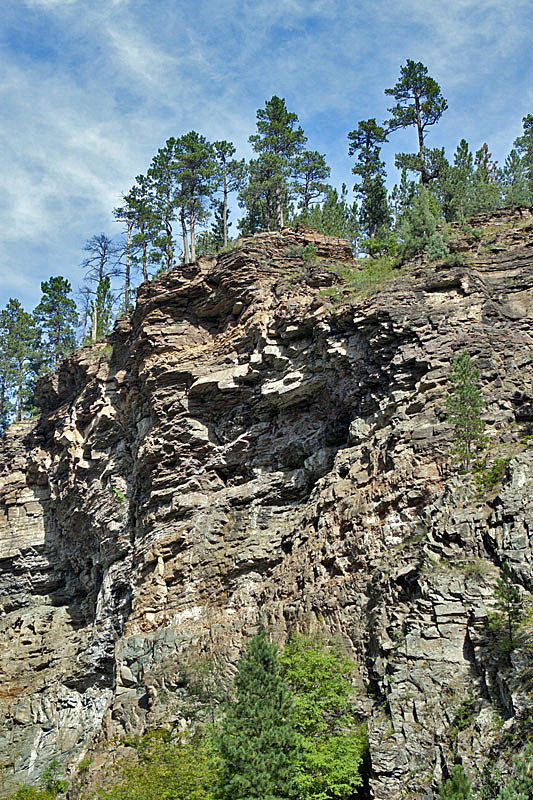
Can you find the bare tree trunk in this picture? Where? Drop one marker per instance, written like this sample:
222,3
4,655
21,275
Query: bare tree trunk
94,322
127,276
19,397
145,270
185,240
279,209
225,216
423,172
193,243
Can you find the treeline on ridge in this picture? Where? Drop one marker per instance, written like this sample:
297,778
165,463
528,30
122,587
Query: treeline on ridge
180,209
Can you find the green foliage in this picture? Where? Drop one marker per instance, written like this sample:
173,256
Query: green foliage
419,103
257,742
279,142
333,742
520,785
465,404
436,249
365,142
486,477
457,787
335,217
509,610
51,785
310,171
418,225
164,768
524,147
464,716
104,308
20,362
57,318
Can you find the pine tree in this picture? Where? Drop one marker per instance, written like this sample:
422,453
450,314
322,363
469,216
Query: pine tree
231,175
514,181
418,224
196,171
162,191
465,405
99,264
257,741
374,211
310,171
509,605
281,139
104,309
57,318
524,146
419,103
457,787
485,187
520,784
22,355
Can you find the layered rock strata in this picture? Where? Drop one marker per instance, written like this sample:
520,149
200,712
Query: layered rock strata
245,452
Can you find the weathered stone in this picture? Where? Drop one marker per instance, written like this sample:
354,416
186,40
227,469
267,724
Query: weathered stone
287,468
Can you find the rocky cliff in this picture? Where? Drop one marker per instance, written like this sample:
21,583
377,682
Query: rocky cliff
245,451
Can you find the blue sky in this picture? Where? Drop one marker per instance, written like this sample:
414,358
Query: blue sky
90,89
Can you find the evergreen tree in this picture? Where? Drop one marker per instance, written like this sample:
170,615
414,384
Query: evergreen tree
401,198
281,138
465,404
231,176
196,172
6,373
485,187
57,318
459,181
520,784
457,787
21,347
514,181
418,224
310,172
259,196
163,197
365,141
509,605
104,309
524,146
419,103
137,210
335,217
257,741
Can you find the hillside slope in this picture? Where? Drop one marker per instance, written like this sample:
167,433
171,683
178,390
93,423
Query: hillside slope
247,452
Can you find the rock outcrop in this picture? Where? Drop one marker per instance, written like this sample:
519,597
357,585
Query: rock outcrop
245,452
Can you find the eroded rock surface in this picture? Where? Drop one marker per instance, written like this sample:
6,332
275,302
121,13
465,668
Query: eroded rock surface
244,453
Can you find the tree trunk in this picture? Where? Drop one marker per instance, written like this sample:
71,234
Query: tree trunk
127,276
279,209
423,173
225,215
145,270
185,241
19,394
193,243
94,322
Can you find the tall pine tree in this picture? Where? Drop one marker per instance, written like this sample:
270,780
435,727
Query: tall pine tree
57,318
258,743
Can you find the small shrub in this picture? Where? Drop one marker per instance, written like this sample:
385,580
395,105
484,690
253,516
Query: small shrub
436,249
309,253
119,496
464,716
486,477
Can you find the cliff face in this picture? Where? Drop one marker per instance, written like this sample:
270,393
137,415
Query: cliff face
243,453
